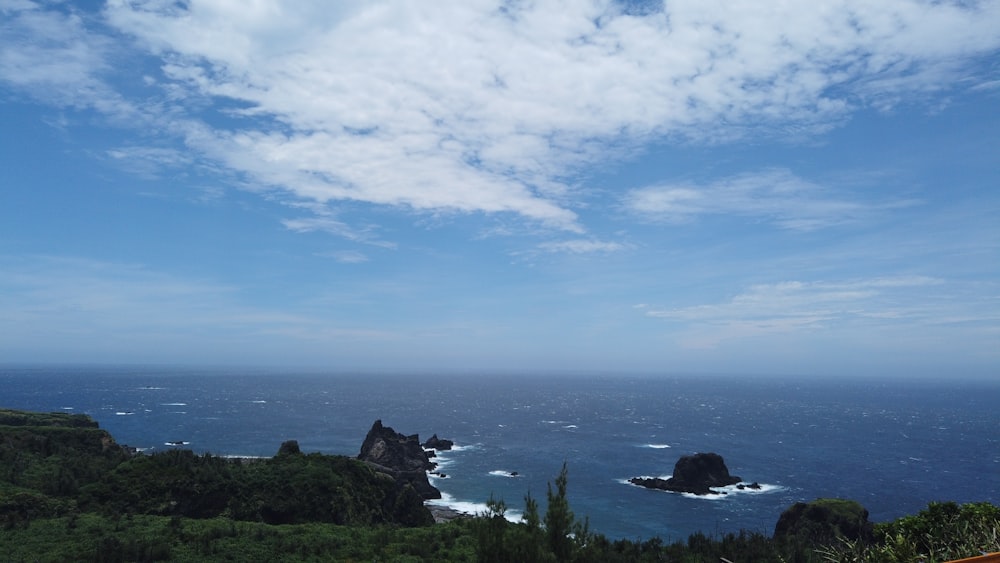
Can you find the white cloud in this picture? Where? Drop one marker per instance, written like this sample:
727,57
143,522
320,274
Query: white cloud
581,246
347,256
56,57
328,224
492,107
774,195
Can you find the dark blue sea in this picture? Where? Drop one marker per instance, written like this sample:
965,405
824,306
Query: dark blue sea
892,444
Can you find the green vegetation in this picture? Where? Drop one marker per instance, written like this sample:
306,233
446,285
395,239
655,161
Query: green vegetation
824,521
942,532
68,492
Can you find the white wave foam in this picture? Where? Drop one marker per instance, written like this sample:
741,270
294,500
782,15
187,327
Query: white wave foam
758,489
124,413
258,402
173,404
67,408
472,508
657,446
178,443
732,491
722,493
504,473
571,426
444,458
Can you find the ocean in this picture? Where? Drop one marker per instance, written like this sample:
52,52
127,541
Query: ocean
892,444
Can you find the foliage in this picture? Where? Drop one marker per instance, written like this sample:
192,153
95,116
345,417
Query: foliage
943,531
93,537
285,489
559,519
9,417
824,521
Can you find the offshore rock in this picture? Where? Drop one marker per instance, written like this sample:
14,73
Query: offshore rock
435,443
695,474
399,456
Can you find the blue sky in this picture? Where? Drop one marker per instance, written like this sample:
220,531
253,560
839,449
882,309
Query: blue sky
712,187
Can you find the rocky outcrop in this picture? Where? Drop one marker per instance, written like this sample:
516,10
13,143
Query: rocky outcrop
289,447
435,443
823,521
696,474
399,456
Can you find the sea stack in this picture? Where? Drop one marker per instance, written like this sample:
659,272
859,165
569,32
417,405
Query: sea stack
399,456
695,474
439,444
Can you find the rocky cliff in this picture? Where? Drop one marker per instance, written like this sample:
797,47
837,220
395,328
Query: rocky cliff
400,456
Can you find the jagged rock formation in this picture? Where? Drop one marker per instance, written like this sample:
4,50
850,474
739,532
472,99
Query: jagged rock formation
400,456
695,474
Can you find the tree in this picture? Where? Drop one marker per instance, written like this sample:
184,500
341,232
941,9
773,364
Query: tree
490,529
559,519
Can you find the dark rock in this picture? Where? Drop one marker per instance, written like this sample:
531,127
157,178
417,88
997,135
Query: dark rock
399,456
445,514
289,447
823,521
695,474
435,443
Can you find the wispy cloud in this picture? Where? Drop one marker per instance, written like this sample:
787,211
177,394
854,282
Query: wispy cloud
777,196
487,107
60,58
148,162
347,256
112,311
329,224
790,307
581,246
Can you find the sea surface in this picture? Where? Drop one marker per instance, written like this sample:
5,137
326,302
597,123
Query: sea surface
892,444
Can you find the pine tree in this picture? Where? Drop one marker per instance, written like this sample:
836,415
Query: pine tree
559,519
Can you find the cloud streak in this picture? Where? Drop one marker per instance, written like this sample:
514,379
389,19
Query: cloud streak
796,308
776,196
